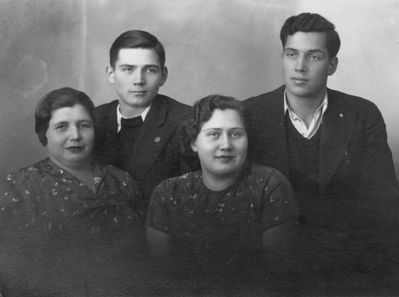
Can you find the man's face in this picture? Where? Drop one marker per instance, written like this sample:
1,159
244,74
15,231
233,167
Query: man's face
137,77
306,65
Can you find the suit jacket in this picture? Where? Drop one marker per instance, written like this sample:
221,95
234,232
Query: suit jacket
358,189
158,153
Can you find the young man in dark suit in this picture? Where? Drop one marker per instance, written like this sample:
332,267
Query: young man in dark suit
139,132
333,147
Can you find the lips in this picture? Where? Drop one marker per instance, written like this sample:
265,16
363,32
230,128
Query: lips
75,148
299,80
138,92
225,158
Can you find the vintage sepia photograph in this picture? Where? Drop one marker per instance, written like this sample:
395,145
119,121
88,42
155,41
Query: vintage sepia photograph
199,148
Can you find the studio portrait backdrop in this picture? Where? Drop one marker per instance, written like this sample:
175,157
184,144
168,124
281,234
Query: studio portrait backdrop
212,46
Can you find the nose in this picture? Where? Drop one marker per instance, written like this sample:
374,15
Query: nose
225,142
139,77
74,133
300,64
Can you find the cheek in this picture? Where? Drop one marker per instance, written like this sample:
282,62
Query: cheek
53,140
205,149
89,136
242,146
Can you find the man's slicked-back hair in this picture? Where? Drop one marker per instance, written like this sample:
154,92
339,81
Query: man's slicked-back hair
312,22
136,39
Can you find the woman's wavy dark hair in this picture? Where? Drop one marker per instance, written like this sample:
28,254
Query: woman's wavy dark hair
56,99
203,109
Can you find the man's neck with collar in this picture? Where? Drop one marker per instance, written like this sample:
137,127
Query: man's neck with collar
304,107
131,112
119,115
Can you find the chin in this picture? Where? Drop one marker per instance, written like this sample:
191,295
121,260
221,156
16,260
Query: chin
141,102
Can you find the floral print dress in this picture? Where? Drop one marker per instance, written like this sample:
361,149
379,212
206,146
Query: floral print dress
222,224
60,238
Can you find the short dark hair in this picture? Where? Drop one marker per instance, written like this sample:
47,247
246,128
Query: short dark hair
312,22
136,39
203,109
56,99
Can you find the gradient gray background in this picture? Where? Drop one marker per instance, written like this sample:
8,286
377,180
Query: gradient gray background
230,47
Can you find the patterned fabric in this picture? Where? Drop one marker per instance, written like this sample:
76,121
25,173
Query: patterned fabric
46,195
200,220
60,238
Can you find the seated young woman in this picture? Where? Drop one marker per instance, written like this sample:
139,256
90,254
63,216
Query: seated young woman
230,215
68,225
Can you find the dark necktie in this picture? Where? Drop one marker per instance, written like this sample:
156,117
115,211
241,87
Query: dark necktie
130,129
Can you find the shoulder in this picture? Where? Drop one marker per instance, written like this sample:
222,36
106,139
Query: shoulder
352,102
21,184
115,172
174,106
37,170
265,171
184,183
265,98
119,175
104,109
261,175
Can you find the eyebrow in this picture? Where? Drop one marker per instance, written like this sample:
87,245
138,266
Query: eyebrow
67,122
146,65
233,128
308,51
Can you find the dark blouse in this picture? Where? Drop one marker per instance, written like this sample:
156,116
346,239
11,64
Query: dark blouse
222,222
60,238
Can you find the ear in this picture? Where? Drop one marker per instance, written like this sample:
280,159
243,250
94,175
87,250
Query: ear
194,146
110,73
332,66
164,75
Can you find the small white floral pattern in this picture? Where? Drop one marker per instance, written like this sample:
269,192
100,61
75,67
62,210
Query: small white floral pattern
44,193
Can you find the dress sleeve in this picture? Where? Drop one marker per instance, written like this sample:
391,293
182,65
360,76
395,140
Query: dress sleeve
158,216
16,200
279,204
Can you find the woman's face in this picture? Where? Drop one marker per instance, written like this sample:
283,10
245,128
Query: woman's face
70,136
222,144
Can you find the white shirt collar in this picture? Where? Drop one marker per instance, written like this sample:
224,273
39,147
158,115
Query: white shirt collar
300,125
119,115
323,105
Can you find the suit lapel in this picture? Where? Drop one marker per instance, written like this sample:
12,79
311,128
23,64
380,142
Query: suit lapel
336,129
152,137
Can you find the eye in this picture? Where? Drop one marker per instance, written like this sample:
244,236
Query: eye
213,134
127,69
86,125
290,54
152,69
315,57
61,127
237,134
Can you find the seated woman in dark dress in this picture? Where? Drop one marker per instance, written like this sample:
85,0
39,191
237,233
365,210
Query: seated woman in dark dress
68,225
228,217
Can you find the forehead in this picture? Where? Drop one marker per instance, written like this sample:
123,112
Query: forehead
137,56
307,41
226,118
76,112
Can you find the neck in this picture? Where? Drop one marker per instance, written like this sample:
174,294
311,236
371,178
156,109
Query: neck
76,169
218,183
304,107
129,111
